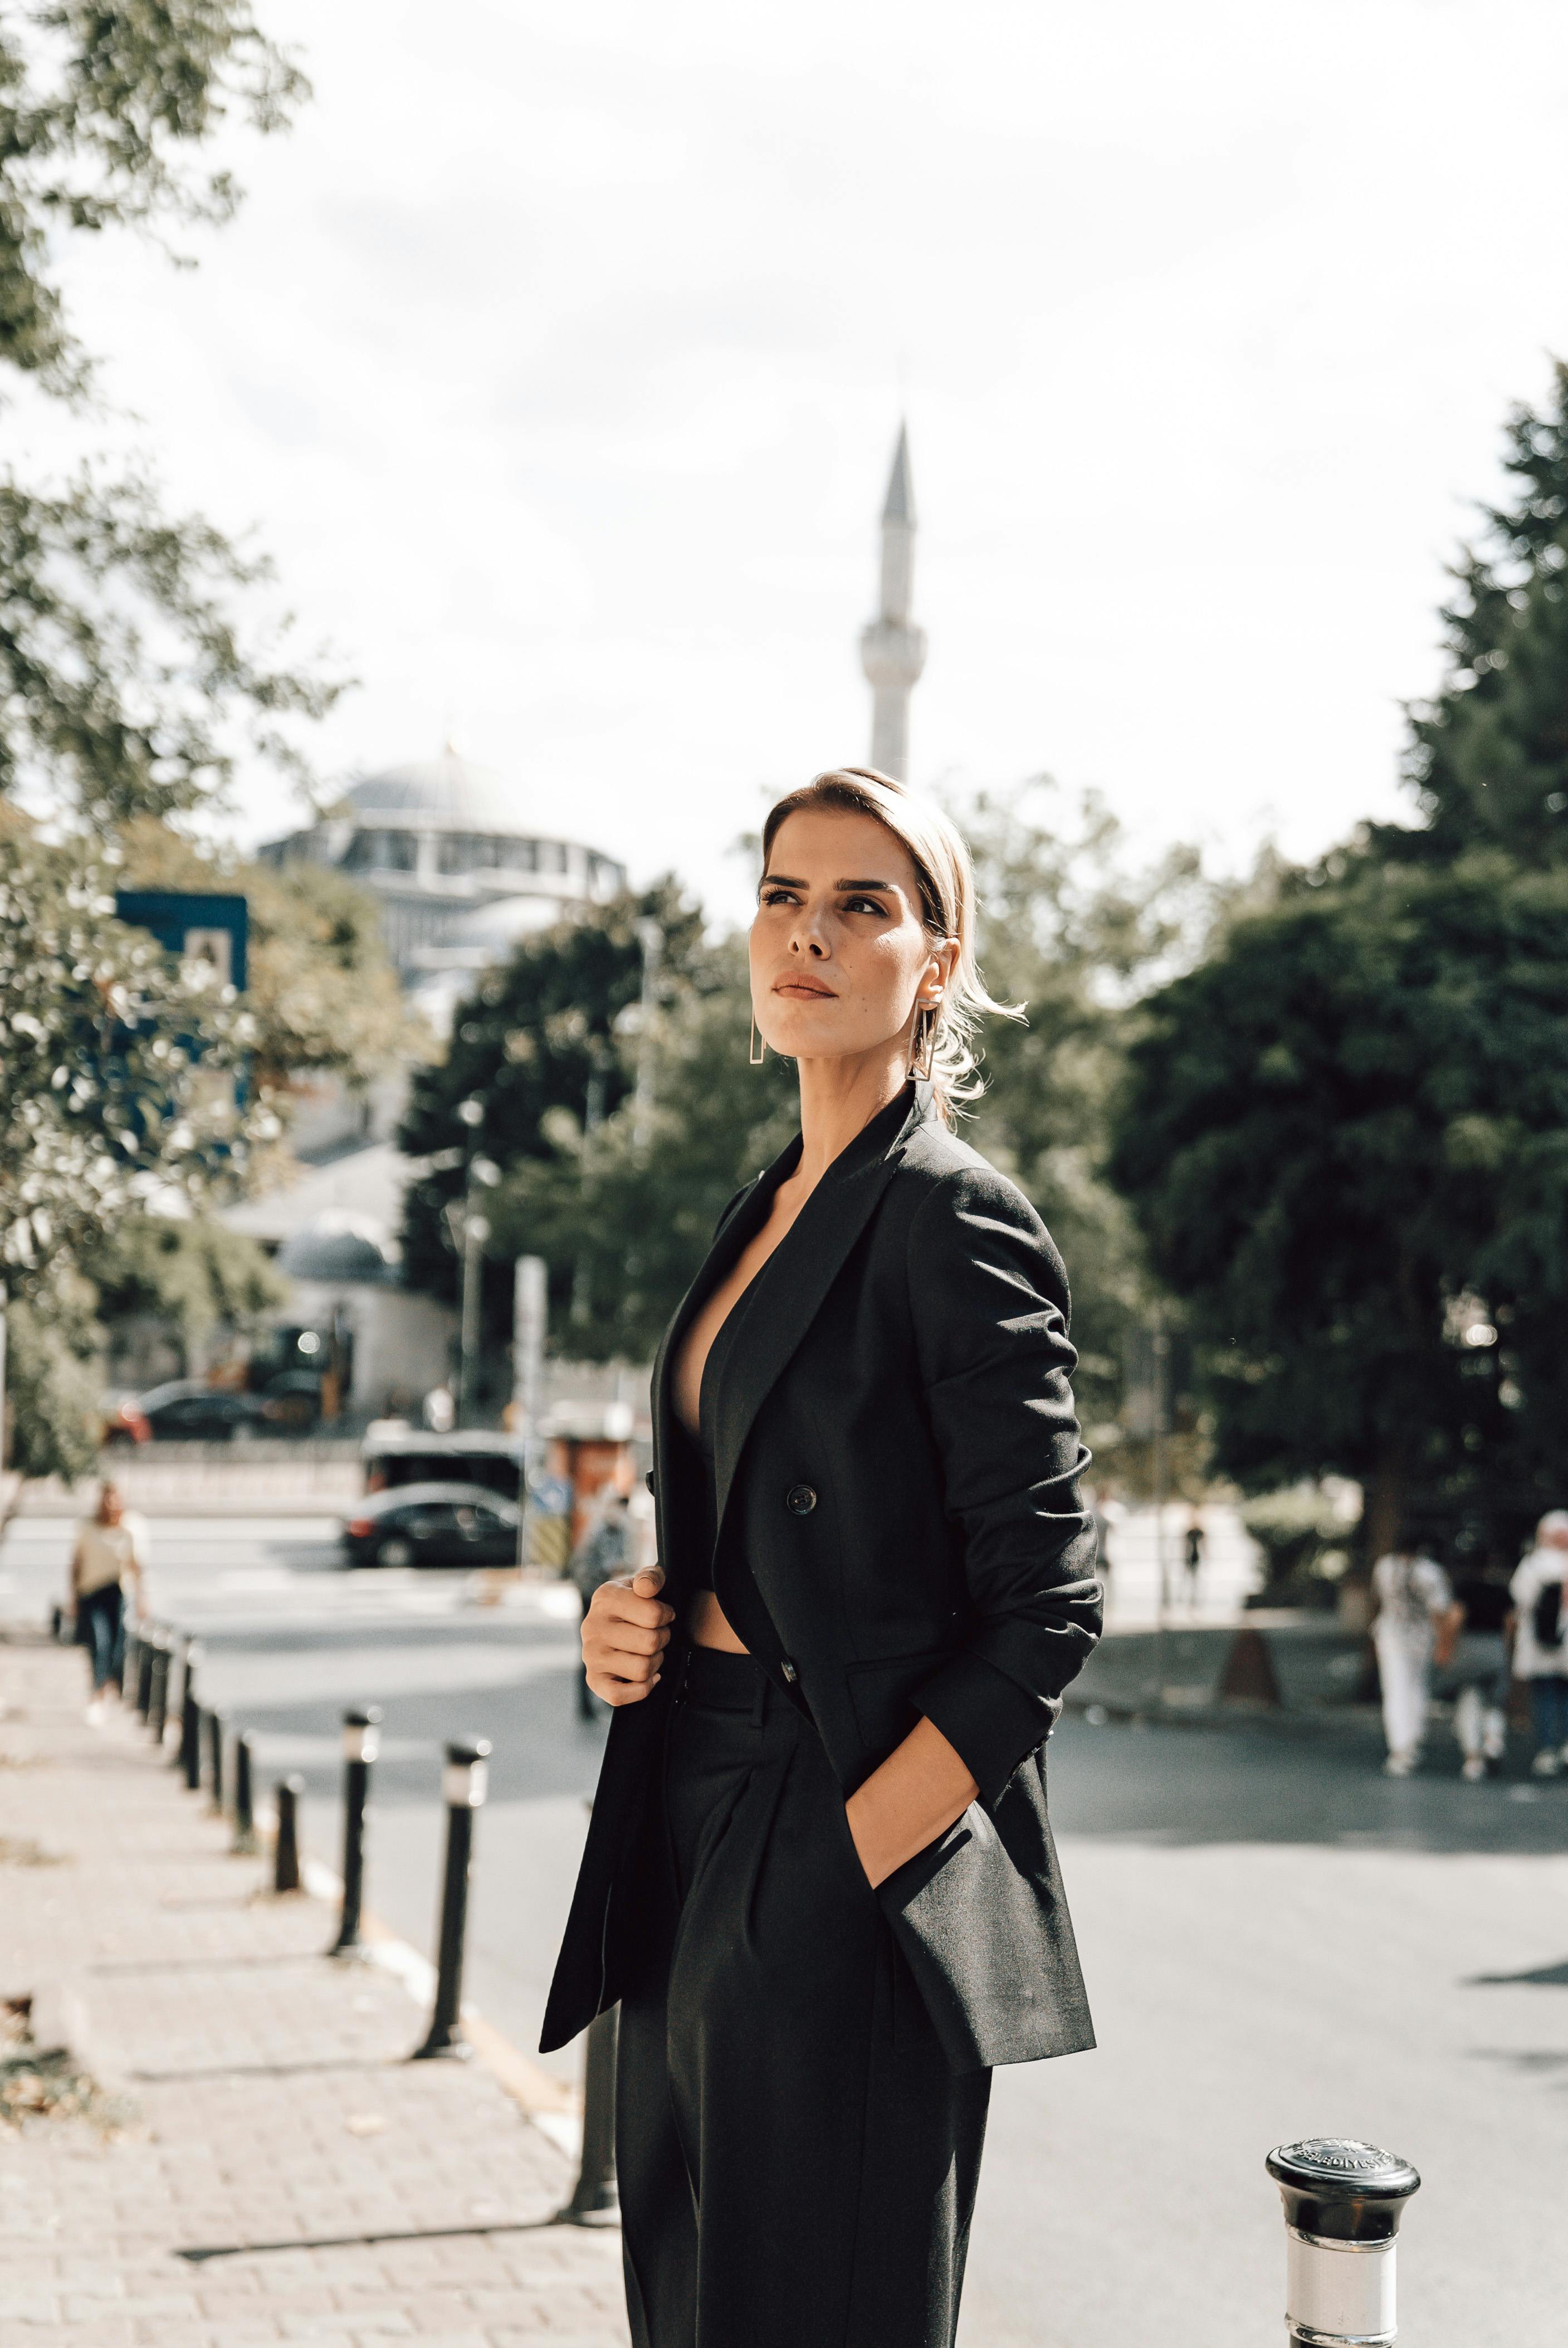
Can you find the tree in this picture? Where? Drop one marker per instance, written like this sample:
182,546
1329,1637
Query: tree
117,1092
1488,757
188,1271
125,683
548,1031
1344,1139
321,990
1075,932
624,1213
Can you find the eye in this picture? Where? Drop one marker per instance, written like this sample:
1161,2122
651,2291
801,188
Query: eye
864,905
775,895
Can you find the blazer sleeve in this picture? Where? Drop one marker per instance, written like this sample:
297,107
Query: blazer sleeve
989,1302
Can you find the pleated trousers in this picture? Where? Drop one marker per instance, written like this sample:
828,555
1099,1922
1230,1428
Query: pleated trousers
798,2163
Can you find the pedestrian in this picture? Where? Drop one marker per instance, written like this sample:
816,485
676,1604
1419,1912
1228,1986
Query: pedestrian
1470,1655
105,1568
1194,1544
1411,1596
1540,1646
604,1553
819,1877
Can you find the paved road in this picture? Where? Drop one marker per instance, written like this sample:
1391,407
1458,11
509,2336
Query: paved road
1277,1940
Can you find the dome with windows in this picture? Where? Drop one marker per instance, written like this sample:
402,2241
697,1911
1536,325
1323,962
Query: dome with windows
459,866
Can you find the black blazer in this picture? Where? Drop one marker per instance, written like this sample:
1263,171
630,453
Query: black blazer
900,1532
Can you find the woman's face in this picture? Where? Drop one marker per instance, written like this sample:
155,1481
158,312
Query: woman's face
111,1507
840,958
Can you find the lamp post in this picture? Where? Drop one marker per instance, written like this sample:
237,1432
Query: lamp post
470,1231
651,938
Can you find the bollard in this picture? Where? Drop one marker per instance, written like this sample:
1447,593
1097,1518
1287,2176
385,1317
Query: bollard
178,1675
595,2200
463,1784
158,1703
215,1726
360,1740
1343,2203
244,1840
190,1734
144,1651
285,1850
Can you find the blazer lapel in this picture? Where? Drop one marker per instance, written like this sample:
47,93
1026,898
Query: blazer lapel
828,1224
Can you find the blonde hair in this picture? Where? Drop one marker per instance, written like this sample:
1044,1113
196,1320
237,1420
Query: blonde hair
943,868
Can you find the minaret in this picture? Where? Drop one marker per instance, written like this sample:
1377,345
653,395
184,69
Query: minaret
892,649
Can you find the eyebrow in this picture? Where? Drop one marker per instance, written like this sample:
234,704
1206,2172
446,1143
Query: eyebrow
783,880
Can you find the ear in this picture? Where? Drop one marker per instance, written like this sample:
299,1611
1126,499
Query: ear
937,976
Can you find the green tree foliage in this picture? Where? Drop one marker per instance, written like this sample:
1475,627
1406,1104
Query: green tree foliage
1074,930
322,993
1345,1136
623,1214
125,683
548,1032
52,1375
116,1091
188,1271
1489,753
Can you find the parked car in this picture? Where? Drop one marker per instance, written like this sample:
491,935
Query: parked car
186,1411
400,1456
123,1421
432,1524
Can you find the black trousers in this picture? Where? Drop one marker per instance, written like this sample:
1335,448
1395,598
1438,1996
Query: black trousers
798,2163
100,1629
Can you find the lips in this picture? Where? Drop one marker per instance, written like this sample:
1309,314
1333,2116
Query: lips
803,987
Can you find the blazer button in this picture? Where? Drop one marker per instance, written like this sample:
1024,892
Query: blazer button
788,1668
799,1499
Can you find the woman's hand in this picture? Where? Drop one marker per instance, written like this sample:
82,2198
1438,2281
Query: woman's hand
915,1796
624,1633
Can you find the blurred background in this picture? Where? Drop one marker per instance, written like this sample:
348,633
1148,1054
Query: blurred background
457,470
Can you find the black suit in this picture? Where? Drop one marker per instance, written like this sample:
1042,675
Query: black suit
805,2066
900,1532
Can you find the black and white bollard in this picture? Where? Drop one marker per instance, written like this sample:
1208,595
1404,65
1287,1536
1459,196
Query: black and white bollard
215,1739
595,2199
361,1738
463,1784
1343,2203
285,1848
143,1671
244,1841
158,1700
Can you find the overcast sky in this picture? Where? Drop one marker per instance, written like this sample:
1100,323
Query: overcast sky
559,353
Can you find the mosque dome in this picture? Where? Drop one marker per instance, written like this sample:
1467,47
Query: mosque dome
445,793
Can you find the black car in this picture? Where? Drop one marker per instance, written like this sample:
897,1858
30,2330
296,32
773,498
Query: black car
432,1524
186,1411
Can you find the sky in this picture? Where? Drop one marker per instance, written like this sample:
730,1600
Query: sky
558,354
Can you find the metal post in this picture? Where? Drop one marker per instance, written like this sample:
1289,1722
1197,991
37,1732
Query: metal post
143,1671
651,938
244,1840
180,1694
158,1700
595,2200
191,1724
215,1726
360,1740
463,1784
1343,2203
285,1850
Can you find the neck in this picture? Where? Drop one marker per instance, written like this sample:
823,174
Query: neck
839,1098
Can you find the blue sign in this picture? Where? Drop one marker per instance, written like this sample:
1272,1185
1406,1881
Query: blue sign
196,926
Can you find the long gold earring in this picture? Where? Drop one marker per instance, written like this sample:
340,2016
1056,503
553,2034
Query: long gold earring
759,1052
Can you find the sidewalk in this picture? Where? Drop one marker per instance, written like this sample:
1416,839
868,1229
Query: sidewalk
280,2172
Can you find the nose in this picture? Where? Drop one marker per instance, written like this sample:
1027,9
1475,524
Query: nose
808,937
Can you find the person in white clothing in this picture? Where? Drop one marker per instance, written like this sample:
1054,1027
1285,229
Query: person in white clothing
1412,1598
1540,1639
106,1568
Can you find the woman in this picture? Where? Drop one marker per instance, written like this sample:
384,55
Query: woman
819,1875
106,1563
1540,1620
1413,1604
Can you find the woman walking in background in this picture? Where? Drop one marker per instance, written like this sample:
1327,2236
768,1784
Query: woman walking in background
820,1876
106,1567
1540,1639
1413,1599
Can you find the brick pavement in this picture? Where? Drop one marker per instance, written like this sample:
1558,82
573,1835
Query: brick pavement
270,2101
